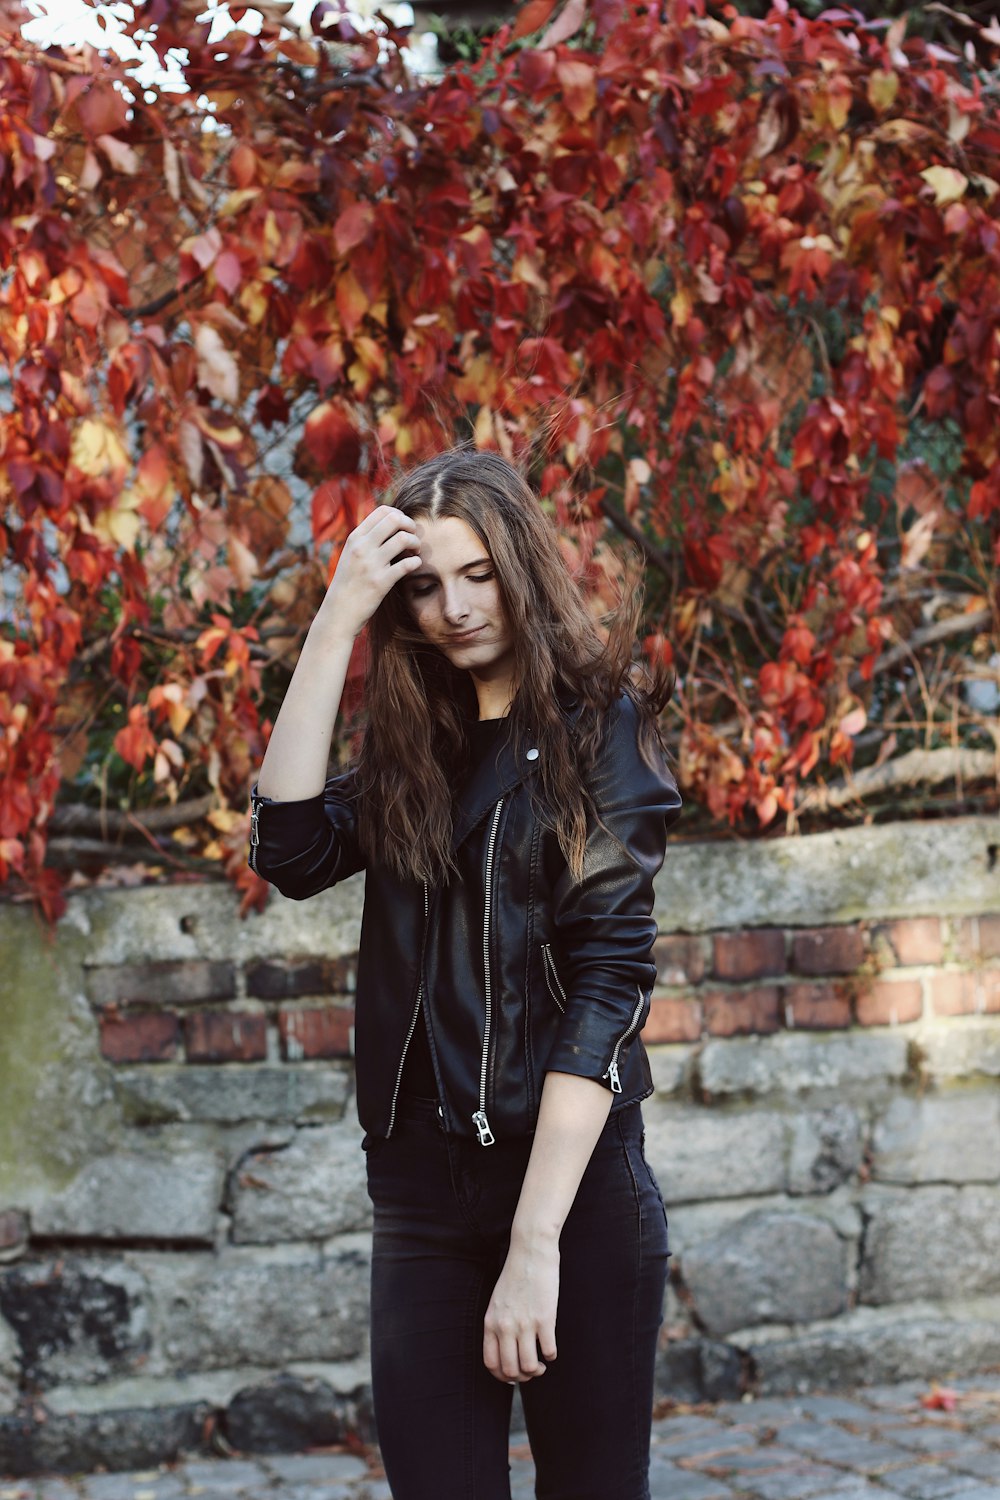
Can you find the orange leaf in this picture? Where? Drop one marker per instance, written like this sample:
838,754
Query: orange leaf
531,17
352,226
579,87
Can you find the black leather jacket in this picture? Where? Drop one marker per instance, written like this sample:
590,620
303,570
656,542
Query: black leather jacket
516,968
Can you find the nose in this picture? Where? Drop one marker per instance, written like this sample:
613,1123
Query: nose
456,608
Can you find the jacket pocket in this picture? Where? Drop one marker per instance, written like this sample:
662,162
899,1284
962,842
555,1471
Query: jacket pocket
552,977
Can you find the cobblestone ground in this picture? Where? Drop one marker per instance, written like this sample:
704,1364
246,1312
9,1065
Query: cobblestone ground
877,1443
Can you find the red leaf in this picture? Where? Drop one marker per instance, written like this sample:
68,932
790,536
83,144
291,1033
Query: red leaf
332,439
532,17
352,226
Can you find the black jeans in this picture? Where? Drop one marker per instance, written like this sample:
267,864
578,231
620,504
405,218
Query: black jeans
443,1210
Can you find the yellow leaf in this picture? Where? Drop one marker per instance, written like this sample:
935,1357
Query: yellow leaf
96,449
883,86
680,307
947,183
217,370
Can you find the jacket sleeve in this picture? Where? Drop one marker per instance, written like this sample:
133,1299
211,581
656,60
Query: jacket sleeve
303,847
604,924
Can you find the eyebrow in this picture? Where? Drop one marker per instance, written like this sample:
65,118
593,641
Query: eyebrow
477,562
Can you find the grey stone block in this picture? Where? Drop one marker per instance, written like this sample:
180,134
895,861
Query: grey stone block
154,1096
135,1196
171,923
793,1063
312,1189
37,1443
947,1138
670,1067
285,1413
961,1048
769,1267
248,1306
930,1242
870,1345
697,1153
75,1319
895,869
827,1147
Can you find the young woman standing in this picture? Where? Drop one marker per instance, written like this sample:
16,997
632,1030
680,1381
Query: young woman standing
509,805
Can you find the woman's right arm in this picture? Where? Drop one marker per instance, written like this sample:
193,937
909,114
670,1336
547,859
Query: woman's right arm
302,832
376,555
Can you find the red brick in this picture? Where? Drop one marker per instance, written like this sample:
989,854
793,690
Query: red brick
316,1033
184,983
989,935
989,990
963,945
828,950
139,1036
756,953
679,959
225,1036
913,940
672,1019
816,1007
742,1012
885,1002
954,993
287,979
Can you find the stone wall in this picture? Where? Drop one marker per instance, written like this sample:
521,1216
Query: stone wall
183,1221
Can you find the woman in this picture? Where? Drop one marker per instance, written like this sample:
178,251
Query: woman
509,804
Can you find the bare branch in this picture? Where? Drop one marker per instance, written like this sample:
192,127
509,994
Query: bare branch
916,768
76,818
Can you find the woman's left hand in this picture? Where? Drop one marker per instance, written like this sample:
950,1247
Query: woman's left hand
521,1318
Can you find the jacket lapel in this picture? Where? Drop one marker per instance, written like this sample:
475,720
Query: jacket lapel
492,779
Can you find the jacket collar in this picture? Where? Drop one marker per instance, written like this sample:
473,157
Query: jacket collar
493,778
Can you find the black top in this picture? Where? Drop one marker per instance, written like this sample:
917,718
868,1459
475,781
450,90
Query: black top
485,738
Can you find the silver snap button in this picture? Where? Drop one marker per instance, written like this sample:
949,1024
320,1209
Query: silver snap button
531,755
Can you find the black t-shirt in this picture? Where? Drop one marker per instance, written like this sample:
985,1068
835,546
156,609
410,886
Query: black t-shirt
485,738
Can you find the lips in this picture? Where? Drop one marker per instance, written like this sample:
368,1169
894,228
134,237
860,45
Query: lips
465,639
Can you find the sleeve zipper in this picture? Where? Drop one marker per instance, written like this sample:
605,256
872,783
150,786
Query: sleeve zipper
612,1074
552,977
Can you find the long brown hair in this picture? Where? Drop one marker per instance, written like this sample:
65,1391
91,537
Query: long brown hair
416,745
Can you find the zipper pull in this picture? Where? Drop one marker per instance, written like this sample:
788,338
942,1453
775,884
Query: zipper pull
485,1134
612,1076
254,829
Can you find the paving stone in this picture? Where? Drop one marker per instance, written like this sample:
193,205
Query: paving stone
678,1485
845,1449
942,1443
229,1474
706,1445
305,1468
985,1465
805,1481
929,1482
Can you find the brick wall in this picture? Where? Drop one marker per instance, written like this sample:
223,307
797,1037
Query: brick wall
184,1228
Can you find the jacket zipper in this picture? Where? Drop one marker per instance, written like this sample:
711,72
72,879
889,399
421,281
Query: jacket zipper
552,977
254,832
413,1021
479,1120
612,1073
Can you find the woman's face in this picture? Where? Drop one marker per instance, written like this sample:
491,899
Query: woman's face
454,600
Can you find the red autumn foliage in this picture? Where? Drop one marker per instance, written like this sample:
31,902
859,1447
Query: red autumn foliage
729,286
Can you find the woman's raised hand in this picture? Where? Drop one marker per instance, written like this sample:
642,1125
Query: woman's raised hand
377,554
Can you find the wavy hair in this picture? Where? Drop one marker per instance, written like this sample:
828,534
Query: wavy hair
416,746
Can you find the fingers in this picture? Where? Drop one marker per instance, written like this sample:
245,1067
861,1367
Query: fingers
513,1356
384,522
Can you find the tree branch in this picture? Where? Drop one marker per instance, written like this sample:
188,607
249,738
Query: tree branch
76,818
916,768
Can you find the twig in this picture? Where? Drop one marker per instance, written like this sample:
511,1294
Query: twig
649,550
77,818
916,768
941,630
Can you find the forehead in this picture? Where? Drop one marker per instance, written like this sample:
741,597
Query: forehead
448,541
